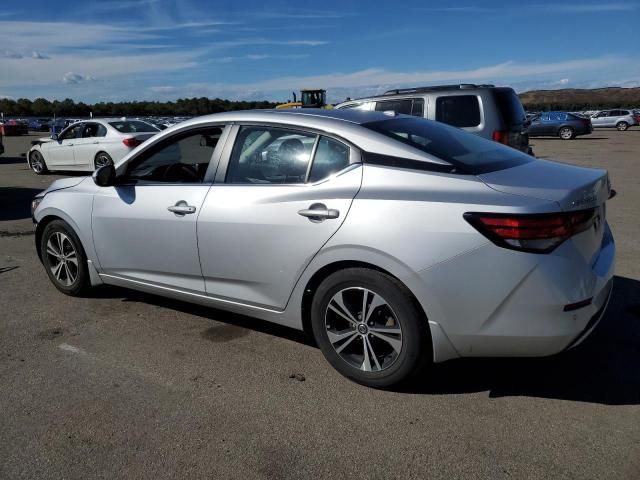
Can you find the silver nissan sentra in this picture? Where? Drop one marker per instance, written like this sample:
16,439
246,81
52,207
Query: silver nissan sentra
395,241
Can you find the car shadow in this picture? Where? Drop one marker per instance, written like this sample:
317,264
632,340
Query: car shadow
603,369
12,160
579,139
16,202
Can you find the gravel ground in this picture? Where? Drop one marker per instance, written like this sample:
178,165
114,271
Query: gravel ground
129,385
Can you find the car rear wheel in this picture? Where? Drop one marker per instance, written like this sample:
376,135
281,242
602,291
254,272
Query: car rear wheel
369,328
64,259
37,163
622,126
102,159
566,133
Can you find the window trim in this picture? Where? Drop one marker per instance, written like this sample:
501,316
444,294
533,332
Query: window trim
355,154
151,149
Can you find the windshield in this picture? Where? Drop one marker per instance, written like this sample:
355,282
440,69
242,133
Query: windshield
133,126
468,152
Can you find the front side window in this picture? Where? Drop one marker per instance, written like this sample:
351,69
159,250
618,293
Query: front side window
74,131
268,155
458,110
183,158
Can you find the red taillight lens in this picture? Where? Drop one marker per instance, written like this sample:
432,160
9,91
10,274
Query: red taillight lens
131,142
500,137
536,233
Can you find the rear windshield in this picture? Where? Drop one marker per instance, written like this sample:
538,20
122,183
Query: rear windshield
510,106
467,152
133,126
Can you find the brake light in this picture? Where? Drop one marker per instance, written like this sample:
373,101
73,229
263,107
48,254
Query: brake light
131,142
535,233
500,137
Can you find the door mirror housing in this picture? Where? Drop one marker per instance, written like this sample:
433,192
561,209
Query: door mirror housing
54,137
105,176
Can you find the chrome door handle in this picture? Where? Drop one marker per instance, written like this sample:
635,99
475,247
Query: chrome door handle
318,212
181,208
96,142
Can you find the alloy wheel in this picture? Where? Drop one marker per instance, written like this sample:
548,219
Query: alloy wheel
63,259
37,163
363,329
566,133
102,160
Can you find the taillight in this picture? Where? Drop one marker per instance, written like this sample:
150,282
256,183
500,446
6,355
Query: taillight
535,233
131,142
500,136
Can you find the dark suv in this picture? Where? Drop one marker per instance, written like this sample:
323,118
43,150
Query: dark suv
492,112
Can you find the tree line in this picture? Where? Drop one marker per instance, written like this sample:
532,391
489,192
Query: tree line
41,107
571,106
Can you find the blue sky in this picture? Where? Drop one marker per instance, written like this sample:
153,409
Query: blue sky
166,49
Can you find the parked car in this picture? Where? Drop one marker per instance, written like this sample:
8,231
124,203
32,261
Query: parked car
395,241
88,144
620,119
565,125
495,113
40,124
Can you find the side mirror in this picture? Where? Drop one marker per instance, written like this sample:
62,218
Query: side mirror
54,137
105,176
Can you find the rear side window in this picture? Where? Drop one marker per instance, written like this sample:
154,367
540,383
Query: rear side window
331,157
398,106
467,152
510,106
133,126
458,110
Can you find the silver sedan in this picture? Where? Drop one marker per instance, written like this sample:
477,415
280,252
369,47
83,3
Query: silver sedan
394,241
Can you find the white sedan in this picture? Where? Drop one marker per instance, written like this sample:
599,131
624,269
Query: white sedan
88,144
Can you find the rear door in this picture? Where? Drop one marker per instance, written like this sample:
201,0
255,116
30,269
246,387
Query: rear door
280,196
87,146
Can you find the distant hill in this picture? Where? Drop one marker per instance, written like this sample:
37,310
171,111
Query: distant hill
581,99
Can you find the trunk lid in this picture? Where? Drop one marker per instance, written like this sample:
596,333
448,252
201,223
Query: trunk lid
571,187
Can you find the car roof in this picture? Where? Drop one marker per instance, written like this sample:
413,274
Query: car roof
345,124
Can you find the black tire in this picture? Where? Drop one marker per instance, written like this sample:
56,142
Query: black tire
102,159
622,126
566,133
416,348
37,163
80,281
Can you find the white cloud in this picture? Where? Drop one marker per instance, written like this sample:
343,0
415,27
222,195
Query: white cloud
39,56
563,81
74,78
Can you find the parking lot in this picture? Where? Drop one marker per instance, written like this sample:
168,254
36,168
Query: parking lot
125,384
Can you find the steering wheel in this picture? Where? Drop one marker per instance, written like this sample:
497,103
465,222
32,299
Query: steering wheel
180,171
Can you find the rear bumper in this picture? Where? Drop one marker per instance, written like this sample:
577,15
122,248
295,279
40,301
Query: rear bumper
496,302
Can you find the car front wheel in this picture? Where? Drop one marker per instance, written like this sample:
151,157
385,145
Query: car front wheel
64,259
37,163
369,327
102,159
622,126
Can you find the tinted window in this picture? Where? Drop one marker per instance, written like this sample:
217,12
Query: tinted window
331,157
458,110
398,106
74,131
510,106
93,130
266,155
417,109
467,152
558,116
181,159
133,126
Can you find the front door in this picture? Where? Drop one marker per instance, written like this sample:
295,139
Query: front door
144,228
60,153
282,196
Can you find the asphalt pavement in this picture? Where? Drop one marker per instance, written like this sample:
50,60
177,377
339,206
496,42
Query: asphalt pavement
123,384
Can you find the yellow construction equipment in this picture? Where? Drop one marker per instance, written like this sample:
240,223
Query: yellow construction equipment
310,98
